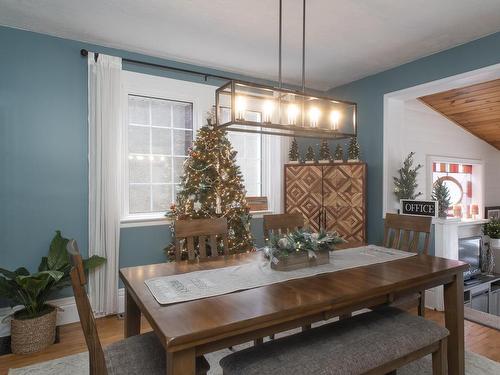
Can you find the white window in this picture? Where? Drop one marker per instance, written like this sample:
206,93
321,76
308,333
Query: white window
160,132
161,117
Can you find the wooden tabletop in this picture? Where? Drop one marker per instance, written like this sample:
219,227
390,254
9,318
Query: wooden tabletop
200,321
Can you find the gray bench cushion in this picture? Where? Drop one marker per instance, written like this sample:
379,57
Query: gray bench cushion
141,355
351,346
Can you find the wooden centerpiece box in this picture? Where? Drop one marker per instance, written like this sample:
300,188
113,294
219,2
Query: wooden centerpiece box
301,248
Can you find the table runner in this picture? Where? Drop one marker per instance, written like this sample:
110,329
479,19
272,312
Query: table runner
209,283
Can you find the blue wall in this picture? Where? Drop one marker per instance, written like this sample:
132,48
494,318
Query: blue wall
43,153
369,93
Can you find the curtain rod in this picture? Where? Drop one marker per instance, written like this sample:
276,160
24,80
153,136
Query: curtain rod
85,53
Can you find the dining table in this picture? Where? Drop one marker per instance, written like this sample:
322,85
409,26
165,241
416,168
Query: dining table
193,328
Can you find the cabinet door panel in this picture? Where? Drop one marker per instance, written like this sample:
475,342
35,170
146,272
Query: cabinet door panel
304,192
344,201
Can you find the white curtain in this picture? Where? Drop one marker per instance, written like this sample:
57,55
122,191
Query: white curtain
104,88
277,155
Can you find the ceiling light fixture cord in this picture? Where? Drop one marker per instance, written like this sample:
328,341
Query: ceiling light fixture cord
280,79
303,45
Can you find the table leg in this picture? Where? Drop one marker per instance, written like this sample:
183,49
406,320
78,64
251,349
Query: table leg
182,362
132,316
454,318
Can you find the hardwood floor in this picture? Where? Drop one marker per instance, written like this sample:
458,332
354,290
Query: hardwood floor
478,339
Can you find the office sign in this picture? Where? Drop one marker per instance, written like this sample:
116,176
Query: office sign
419,208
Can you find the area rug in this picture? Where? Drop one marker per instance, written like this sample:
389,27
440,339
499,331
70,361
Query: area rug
482,318
77,364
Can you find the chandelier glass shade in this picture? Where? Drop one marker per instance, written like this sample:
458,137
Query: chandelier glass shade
254,108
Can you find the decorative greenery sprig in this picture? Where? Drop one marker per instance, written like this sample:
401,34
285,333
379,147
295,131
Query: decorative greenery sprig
406,184
492,229
303,240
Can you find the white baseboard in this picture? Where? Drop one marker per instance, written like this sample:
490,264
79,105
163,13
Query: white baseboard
67,312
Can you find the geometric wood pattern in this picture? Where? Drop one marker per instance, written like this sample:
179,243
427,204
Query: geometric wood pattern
344,201
475,108
330,196
304,193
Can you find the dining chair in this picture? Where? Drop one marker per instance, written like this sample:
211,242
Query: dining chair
408,233
136,355
282,223
193,235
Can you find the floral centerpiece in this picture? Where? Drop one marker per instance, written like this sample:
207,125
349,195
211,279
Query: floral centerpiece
301,248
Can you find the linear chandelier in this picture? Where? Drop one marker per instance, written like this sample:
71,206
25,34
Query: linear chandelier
255,108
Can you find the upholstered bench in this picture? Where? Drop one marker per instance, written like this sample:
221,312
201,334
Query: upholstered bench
377,342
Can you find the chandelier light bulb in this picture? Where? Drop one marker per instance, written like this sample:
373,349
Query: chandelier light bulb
293,111
335,119
268,111
241,106
314,116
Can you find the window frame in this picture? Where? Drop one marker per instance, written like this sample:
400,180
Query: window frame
202,97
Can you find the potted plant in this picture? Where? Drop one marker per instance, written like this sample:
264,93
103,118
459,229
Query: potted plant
492,230
324,152
353,151
33,326
310,156
405,185
301,248
441,194
293,154
338,156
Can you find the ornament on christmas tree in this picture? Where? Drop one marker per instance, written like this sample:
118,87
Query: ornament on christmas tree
310,156
353,150
441,194
293,154
212,176
324,152
197,206
338,156
406,184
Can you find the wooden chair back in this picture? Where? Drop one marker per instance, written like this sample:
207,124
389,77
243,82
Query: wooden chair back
196,233
282,223
97,362
404,232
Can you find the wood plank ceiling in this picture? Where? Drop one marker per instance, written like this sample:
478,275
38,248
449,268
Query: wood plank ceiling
475,108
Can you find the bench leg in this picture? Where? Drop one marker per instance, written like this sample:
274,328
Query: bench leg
306,327
345,316
421,304
395,372
439,360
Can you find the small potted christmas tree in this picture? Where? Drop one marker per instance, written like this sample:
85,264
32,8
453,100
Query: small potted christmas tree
441,194
310,156
293,154
353,151
338,156
324,152
405,185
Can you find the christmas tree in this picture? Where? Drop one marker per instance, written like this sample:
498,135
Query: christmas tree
212,186
441,194
339,153
310,156
406,184
293,154
353,150
324,150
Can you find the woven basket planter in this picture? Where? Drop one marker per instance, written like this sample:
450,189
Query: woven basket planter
33,335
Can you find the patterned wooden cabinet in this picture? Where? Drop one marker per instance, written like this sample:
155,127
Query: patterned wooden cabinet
304,192
330,196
